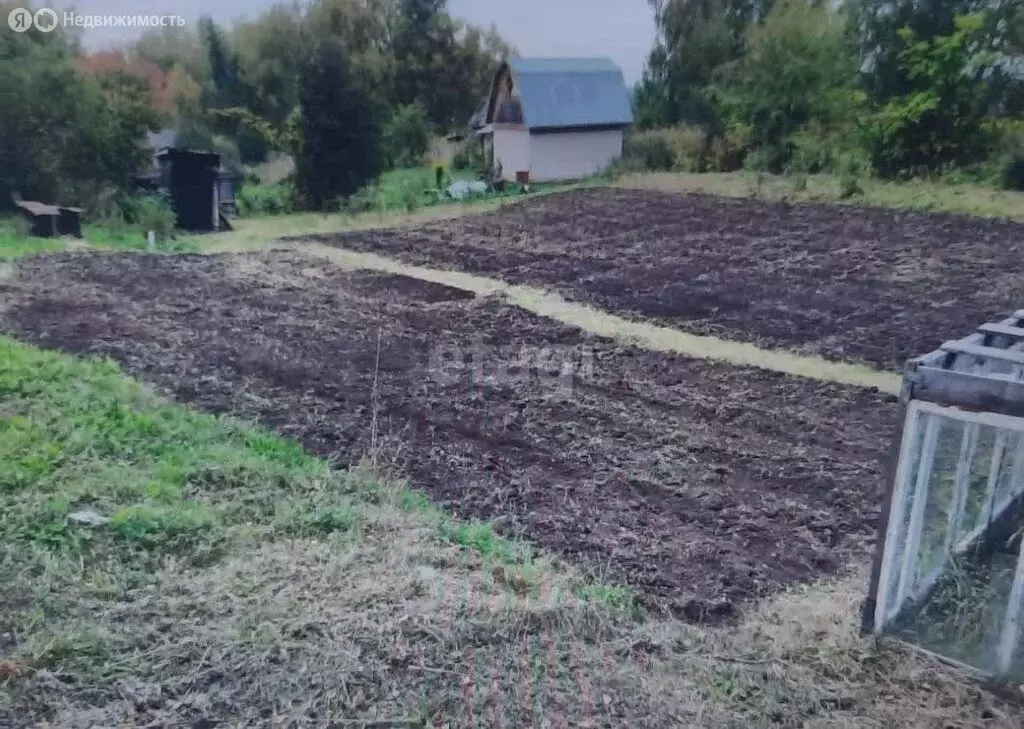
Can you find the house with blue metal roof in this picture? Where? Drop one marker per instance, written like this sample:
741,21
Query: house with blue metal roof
555,118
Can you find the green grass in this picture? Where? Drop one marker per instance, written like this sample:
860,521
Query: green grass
405,196
15,242
396,192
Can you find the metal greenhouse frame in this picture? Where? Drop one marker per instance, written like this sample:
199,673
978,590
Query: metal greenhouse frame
949,569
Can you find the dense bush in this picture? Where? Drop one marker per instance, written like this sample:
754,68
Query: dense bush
688,145
728,150
404,190
405,137
685,148
649,151
266,199
852,167
812,153
367,199
470,156
768,158
143,213
938,121
66,136
921,88
1013,172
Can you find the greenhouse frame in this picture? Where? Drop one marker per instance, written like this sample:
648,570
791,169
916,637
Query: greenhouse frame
949,569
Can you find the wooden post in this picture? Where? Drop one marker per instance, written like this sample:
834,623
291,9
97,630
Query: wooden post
912,545
901,492
1010,637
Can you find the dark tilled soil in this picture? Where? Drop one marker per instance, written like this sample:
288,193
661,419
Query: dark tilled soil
841,281
701,484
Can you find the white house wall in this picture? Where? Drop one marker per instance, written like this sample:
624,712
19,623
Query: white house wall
512,151
571,155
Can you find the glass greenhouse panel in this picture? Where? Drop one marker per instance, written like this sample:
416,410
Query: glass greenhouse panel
949,576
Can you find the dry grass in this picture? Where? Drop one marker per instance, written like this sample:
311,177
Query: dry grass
916,195
641,334
391,629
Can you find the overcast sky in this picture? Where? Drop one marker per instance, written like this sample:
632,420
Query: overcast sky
620,29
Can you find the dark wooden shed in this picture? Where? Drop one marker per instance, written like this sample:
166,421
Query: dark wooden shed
190,178
48,221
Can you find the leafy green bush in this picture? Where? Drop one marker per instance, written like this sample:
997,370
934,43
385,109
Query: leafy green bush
469,157
648,151
849,186
266,199
727,151
411,197
408,189
364,200
688,145
939,120
852,167
812,153
145,212
1013,172
406,137
768,158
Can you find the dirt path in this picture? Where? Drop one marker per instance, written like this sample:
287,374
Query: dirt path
637,333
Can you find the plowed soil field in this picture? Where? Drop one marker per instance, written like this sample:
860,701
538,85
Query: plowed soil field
844,282
700,484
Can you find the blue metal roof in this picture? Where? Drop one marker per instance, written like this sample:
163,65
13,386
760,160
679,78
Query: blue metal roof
572,92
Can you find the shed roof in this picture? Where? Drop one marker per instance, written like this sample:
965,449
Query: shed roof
479,118
37,208
572,92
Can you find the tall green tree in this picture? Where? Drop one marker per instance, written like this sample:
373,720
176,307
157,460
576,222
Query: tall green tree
422,38
226,87
877,28
171,47
938,119
405,137
365,28
695,39
64,136
441,63
339,147
271,51
797,73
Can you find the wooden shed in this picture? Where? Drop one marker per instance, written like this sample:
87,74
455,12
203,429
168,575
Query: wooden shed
190,178
555,118
48,221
